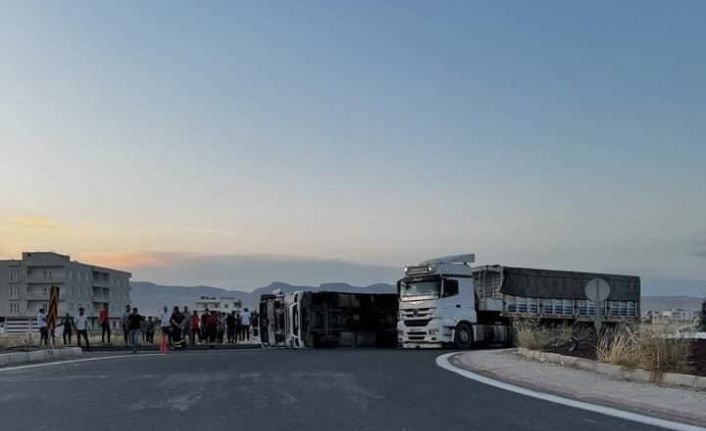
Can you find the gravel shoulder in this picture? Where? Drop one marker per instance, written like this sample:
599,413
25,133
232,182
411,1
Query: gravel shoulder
670,403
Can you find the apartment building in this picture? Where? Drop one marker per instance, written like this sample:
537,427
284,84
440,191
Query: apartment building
25,285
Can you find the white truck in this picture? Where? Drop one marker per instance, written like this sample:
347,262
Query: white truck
447,302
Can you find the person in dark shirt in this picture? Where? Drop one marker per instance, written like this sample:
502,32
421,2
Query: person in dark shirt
134,323
149,330
221,327
68,323
204,319
177,322
230,327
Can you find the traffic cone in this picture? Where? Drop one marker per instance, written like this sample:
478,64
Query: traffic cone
164,347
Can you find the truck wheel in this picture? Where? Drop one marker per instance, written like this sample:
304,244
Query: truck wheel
463,336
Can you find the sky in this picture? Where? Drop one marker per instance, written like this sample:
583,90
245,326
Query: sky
143,135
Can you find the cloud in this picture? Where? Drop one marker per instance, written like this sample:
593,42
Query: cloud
244,272
34,222
127,260
700,253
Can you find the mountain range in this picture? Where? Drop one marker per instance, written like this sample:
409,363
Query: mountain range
151,297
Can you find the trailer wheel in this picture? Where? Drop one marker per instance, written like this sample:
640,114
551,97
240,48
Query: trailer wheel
463,336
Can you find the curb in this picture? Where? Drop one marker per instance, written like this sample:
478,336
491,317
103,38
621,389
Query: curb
18,358
187,349
615,371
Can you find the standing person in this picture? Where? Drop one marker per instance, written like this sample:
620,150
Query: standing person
177,325
104,321
211,328
164,319
221,327
204,319
81,325
230,327
255,323
186,325
195,328
42,325
245,320
238,331
124,320
68,323
143,330
149,331
134,323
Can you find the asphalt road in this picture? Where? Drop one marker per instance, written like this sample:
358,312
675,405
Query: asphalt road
258,390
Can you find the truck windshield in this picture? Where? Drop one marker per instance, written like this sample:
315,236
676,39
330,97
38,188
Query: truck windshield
420,288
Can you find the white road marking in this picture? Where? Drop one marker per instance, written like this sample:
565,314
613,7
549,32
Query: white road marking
443,362
75,361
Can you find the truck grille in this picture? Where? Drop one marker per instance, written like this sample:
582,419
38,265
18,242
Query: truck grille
416,322
417,313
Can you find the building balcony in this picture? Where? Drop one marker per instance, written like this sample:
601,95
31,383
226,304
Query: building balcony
101,283
100,298
46,280
41,296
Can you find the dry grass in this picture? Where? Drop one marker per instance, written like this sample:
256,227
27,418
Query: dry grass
7,341
531,334
650,348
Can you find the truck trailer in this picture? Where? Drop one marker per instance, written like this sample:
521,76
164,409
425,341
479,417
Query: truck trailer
447,302
329,319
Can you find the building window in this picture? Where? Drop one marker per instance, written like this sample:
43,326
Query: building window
14,274
14,308
14,291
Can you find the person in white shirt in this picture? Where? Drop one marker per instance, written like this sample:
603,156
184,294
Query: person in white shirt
245,320
81,324
42,325
165,323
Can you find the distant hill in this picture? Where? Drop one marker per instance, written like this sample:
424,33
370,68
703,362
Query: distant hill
150,297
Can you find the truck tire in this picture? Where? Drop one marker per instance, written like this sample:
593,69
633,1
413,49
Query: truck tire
463,336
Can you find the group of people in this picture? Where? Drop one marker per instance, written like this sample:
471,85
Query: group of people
209,328
70,325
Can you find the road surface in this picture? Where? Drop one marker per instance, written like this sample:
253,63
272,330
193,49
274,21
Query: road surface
259,390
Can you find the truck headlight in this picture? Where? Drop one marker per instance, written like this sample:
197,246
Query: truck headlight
433,332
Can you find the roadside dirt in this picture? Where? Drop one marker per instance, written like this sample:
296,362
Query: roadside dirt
580,349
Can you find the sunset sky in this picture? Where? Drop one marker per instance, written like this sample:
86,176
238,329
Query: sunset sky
143,135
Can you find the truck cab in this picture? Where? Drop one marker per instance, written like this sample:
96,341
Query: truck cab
438,306
273,320
293,307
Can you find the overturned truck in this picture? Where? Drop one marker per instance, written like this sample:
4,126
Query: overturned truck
329,319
